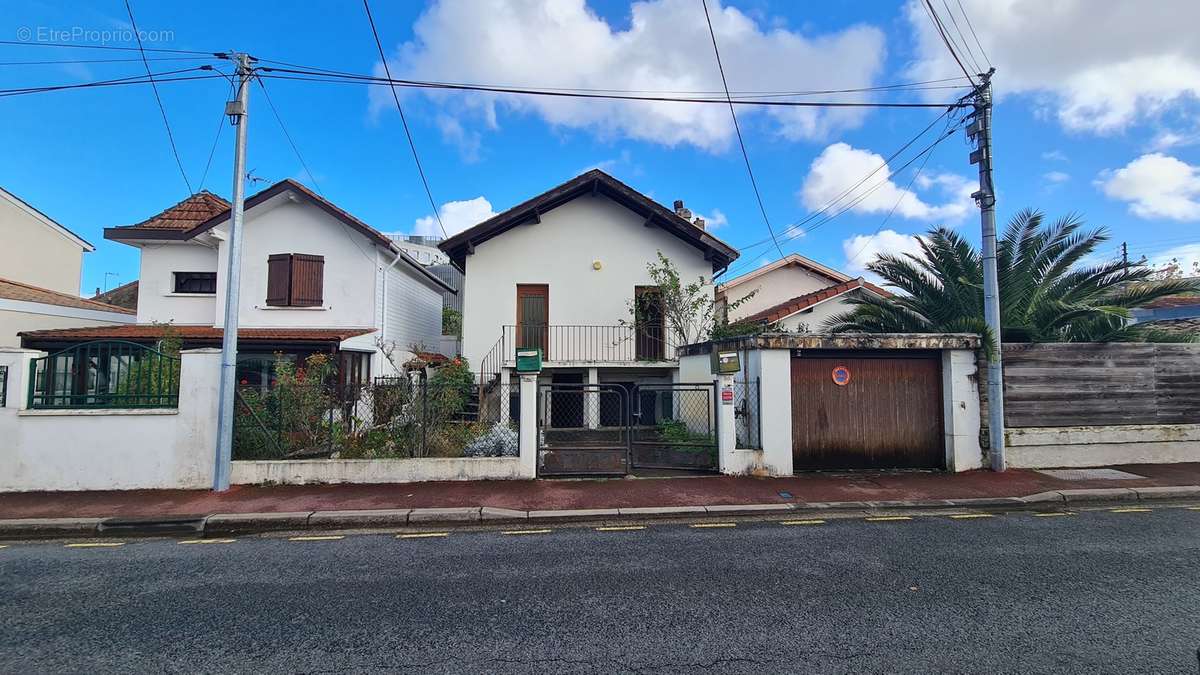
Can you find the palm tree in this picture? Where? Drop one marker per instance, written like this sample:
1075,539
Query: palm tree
1048,291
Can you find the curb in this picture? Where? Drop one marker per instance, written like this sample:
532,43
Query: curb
248,523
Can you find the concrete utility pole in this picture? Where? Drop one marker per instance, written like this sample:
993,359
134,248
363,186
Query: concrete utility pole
981,128
237,111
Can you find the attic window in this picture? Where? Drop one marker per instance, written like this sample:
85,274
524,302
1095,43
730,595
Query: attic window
196,282
295,280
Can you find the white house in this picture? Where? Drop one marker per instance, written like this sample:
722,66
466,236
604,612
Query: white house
314,279
40,266
794,293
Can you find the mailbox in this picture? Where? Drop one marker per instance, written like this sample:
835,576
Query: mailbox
725,363
529,360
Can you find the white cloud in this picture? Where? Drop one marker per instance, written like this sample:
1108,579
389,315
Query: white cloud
863,248
1056,177
468,142
666,47
456,216
1054,156
1104,64
715,220
1167,139
1156,186
840,166
1186,256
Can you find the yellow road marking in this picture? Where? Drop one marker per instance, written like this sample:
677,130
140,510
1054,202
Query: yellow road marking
1193,508
885,519
526,532
422,535
1054,514
813,521
318,537
208,541
968,516
97,544
620,528
1130,510
703,525
3,545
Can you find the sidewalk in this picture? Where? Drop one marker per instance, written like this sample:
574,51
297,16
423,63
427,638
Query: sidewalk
815,490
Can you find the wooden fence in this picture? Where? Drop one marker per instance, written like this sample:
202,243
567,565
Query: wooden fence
1084,384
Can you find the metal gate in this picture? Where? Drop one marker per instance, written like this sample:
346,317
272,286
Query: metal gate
674,426
863,410
583,429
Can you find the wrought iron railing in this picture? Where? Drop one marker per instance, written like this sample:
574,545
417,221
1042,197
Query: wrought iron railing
609,344
3,386
105,374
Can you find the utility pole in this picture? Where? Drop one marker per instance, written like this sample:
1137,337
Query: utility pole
981,128
1125,256
237,111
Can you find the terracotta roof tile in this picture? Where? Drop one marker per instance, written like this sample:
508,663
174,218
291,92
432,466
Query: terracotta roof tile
802,302
186,214
15,290
143,331
1173,301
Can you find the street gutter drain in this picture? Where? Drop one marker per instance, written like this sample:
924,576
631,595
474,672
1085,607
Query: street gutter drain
151,527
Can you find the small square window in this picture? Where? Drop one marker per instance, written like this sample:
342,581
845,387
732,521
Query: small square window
196,282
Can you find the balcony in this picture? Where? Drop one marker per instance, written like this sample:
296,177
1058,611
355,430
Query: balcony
642,345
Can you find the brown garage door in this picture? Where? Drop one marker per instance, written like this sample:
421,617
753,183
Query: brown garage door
887,413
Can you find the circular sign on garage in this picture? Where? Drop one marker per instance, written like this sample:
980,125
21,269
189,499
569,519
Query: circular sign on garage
841,376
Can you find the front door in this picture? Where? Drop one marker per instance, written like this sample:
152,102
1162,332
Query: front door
649,331
533,317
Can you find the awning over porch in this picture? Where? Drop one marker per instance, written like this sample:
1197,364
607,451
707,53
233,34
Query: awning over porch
197,336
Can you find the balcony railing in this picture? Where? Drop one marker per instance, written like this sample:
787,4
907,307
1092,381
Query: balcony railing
587,344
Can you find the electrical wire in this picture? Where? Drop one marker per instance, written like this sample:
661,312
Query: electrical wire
937,24
161,109
96,61
737,128
972,28
962,39
107,47
220,128
395,97
288,136
134,79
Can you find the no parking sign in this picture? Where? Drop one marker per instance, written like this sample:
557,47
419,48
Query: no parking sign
841,376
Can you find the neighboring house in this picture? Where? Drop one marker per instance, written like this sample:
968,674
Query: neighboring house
38,251
795,294
424,249
1174,314
314,279
41,262
560,272
125,295
29,308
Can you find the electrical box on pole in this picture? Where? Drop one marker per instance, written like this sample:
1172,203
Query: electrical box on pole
980,129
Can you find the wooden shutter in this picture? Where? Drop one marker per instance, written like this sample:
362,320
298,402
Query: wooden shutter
308,280
279,279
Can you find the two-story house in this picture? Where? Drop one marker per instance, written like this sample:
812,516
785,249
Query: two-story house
561,272
313,279
40,266
794,293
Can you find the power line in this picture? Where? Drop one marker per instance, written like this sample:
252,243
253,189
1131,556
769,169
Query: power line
288,136
107,47
962,39
972,28
95,61
135,79
413,146
220,127
937,24
157,98
313,76
741,143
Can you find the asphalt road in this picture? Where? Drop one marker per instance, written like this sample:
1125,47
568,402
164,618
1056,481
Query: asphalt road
1097,592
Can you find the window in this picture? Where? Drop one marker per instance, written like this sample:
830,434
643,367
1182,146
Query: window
295,280
195,282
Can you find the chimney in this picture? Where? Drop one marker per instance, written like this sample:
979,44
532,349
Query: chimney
699,223
682,211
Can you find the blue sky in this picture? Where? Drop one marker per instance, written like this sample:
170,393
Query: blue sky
1103,124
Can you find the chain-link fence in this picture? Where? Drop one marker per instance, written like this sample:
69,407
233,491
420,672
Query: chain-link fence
389,418
747,422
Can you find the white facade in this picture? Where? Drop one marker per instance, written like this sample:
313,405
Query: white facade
591,252
37,251
812,319
17,316
405,314
773,287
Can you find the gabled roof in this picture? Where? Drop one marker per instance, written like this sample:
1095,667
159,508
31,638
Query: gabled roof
803,302
203,211
15,290
125,295
31,210
590,183
790,259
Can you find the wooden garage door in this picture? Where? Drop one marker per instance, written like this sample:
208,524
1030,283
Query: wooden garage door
887,415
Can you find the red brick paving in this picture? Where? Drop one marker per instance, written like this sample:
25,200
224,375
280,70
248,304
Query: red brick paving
575,494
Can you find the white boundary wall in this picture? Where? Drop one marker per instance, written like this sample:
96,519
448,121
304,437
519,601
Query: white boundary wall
46,450
308,471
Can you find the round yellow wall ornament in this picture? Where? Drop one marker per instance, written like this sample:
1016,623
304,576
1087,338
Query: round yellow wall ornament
596,265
